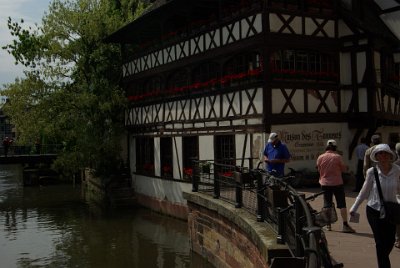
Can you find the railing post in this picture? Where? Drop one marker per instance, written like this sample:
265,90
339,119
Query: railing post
217,191
195,177
313,235
261,202
281,237
299,228
239,195
250,163
237,176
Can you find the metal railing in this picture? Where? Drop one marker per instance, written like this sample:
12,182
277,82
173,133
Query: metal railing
272,200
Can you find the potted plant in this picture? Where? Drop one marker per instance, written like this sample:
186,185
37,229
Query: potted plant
187,173
205,167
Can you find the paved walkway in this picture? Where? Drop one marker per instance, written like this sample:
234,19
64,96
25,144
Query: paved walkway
353,250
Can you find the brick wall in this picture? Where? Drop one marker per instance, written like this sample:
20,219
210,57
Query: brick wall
230,237
220,241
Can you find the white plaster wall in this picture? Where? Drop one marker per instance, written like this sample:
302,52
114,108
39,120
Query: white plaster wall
378,103
345,69
314,103
258,23
279,101
207,105
226,111
396,57
344,30
345,96
307,141
199,40
258,100
240,143
157,158
362,99
330,28
132,153
214,39
363,42
166,190
361,66
311,27
274,23
259,142
296,25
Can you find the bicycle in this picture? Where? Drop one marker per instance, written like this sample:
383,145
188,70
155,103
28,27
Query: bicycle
316,243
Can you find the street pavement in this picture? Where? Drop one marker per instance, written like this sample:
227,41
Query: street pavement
353,250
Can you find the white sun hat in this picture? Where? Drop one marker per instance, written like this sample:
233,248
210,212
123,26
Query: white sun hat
382,148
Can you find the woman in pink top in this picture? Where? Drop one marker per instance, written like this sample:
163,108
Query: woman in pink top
330,167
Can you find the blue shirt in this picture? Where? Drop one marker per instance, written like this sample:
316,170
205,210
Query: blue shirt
277,151
360,151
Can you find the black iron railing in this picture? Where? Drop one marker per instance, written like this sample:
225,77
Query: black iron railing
272,200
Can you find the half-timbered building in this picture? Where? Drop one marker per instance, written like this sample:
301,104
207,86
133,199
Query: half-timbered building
209,79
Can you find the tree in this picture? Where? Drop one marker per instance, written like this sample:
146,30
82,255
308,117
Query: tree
71,91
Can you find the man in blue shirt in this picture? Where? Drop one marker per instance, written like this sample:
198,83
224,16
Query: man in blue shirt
360,153
276,155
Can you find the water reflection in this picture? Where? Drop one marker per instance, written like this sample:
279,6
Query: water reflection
53,226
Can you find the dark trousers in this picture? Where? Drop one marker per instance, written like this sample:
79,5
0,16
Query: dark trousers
359,175
384,235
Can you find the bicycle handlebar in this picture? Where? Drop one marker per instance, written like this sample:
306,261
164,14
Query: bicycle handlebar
313,196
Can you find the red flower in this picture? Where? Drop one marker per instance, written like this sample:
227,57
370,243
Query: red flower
227,174
188,171
167,169
148,166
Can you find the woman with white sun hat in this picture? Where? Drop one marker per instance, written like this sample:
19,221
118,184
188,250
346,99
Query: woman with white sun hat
388,175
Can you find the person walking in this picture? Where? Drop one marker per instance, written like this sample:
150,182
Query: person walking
276,155
330,166
388,176
360,153
375,140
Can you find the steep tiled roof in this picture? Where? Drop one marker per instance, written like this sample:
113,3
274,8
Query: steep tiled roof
390,15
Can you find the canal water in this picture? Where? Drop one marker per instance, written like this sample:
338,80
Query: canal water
53,226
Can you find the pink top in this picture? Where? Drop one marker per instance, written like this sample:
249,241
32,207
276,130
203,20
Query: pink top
330,166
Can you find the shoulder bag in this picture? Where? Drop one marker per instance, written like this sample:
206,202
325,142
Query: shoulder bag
326,216
391,209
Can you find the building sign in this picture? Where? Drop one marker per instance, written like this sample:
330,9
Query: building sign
308,144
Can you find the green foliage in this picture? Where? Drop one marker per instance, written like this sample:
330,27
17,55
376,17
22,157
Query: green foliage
71,92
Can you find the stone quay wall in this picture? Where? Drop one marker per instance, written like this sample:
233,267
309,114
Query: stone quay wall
227,236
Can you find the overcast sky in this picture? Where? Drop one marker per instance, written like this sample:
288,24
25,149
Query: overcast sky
32,12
